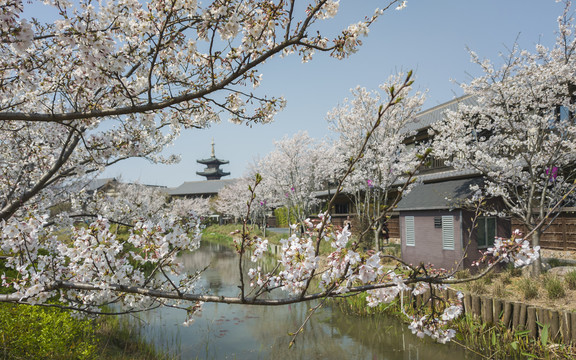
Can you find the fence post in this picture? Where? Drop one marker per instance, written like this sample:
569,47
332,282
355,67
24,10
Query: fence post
507,314
524,316
565,326
573,326
487,310
496,310
531,321
516,316
476,306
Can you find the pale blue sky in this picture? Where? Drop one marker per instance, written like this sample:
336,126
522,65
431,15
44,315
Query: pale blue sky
429,37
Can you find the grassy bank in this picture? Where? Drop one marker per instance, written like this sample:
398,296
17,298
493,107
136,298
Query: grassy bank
32,332
222,234
488,341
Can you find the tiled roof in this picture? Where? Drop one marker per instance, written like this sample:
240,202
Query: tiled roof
206,187
428,117
438,196
98,183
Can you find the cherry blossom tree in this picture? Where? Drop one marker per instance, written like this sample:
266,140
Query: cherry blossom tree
110,80
521,134
198,206
293,171
232,200
387,158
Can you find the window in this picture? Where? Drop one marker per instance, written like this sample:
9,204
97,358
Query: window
438,222
341,208
486,231
409,224
448,232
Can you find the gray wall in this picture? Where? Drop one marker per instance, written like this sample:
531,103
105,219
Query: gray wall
428,240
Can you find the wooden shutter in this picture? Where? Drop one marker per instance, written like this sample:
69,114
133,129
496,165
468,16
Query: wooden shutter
448,232
409,224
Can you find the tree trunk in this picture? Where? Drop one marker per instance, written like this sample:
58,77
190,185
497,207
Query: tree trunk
536,267
377,233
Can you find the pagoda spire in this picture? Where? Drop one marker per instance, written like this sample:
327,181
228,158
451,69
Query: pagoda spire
212,170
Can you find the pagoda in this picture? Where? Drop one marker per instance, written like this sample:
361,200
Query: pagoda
212,170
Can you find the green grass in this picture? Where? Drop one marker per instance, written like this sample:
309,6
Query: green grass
528,288
222,233
554,287
571,280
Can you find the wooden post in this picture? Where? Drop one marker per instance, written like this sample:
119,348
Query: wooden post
476,305
468,304
542,316
507,316
524,316
496,310
573,327
487,310
554,321
565,327
516,315
531,321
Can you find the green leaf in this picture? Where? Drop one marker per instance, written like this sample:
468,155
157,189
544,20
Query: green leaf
544,335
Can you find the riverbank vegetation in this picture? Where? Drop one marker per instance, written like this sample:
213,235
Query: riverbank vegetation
30,332
224,234
489,341
555,289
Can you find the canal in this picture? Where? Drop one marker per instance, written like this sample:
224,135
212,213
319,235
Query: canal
224,331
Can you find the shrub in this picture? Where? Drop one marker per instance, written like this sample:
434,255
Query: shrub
30,332
528,288
571,280
554,287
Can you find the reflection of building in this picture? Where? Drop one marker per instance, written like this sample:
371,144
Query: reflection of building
212,170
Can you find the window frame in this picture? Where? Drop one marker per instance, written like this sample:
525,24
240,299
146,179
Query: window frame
482,224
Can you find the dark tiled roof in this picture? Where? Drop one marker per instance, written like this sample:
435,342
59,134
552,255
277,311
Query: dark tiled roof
428,117
212,172
438,196
206,187
212,160
99,183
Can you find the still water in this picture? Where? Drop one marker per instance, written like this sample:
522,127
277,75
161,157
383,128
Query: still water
255,332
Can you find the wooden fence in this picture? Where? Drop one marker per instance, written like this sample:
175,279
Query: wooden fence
518,316
560,234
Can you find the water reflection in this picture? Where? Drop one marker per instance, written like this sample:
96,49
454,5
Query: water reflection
255,332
